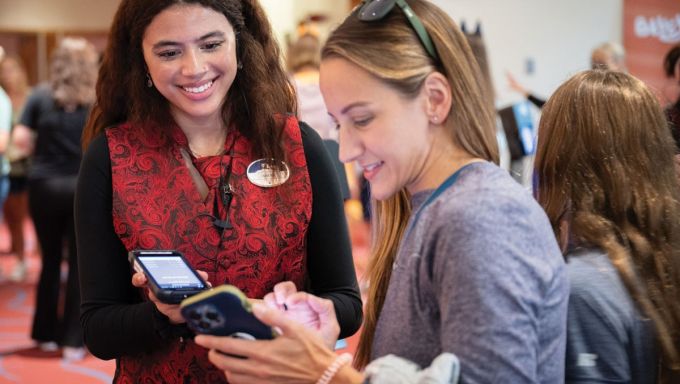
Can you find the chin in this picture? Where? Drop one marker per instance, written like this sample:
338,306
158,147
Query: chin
381,194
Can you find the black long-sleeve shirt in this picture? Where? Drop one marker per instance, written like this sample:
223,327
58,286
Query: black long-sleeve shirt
117,321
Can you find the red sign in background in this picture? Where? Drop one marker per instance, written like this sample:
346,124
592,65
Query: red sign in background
650,29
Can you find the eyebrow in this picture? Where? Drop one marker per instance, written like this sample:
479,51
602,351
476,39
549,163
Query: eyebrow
354,105
210,35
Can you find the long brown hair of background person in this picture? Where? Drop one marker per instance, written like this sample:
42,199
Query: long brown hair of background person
607,180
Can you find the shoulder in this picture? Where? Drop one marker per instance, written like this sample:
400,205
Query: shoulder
596,285
41,92
41,95
488,221
98,150
312,143
485,196
310,138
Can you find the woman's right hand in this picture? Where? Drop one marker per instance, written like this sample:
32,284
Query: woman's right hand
170,310
311,311
298,355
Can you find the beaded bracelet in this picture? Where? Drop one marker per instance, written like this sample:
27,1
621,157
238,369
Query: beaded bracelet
335,366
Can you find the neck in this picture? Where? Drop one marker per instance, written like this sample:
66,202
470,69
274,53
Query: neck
442,161
208,141
204,137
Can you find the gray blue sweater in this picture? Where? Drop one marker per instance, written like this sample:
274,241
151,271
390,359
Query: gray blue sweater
479,275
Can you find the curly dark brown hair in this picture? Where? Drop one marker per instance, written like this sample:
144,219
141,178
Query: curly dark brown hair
259,96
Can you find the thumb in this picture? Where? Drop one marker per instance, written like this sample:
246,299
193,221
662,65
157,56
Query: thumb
329,329
274,318
323,308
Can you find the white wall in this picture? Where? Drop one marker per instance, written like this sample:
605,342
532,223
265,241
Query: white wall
282,17
557,35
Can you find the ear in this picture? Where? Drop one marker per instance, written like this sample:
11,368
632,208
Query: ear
437,92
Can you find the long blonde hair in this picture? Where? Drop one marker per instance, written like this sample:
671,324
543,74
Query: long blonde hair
73,73
605,165
390,50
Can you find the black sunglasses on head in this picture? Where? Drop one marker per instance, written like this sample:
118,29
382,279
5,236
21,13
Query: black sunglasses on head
372,10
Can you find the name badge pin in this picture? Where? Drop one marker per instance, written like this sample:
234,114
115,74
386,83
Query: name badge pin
268,173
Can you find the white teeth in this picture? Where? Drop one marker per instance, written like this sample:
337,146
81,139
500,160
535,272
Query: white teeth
200,89
371,167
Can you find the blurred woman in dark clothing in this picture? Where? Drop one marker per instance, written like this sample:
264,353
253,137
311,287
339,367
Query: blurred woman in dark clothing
56,113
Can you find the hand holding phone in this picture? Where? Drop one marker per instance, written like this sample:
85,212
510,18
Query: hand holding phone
224,311
169,276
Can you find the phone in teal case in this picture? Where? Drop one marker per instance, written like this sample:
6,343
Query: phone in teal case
224,311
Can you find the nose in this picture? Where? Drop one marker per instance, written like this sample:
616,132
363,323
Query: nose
193,64
350,145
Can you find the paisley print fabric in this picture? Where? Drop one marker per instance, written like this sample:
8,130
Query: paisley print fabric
157,206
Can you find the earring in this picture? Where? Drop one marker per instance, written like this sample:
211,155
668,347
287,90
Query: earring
149,82
239,65
435,119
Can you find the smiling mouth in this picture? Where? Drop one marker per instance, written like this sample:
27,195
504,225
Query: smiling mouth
373,166
200,89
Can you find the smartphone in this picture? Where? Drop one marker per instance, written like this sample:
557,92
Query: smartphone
224,311
169,275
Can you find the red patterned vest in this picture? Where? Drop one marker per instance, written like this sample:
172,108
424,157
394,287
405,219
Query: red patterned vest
157,206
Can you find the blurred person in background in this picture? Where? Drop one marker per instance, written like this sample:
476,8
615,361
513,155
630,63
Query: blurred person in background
478,46
14,80
303,60
56,114
605,178
608,55
671,66
5,127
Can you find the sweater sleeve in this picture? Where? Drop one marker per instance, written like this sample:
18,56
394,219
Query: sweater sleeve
329,253
536,101
116,320
493,282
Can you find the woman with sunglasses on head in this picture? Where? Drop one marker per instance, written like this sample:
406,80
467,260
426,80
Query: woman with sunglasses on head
606,180
191,147
465,266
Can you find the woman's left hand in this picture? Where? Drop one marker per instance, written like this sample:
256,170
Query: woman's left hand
172,311
298,355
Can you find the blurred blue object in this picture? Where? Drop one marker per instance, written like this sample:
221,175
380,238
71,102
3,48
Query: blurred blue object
341,344
519,129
